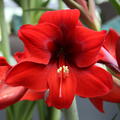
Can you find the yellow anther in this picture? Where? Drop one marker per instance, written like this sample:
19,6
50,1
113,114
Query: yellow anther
64,68
59,69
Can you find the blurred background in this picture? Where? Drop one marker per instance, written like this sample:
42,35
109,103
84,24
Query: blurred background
110,19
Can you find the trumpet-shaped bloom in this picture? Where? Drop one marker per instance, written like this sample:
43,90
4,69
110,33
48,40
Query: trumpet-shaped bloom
59,58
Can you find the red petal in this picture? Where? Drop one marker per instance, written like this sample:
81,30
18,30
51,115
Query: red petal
4,68
32,95
114,94
3,62
8,95
98,103
110,51
28,74
38,40
61,98
20,56
66,19
92,81
85,45
111,42
118,51
106,57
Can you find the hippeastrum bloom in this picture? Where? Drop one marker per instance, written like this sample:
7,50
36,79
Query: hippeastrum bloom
10,95
59,58
111,57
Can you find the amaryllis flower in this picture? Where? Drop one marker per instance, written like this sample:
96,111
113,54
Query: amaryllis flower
10,95
111,57
59,58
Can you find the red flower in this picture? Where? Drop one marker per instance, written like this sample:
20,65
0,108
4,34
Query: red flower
111,57
59,57
10,95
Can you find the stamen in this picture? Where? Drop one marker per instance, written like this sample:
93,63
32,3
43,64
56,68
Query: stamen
63,73
59,69
63,69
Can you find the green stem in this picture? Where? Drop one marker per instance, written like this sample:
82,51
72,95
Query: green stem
41,109
4,32
29,110
55,114
26,15
71,113
9,112
32,4
60,4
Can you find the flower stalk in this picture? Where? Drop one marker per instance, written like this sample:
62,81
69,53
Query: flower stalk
4,44
9,112
41,109
71,113
56,114
26,15
60,4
